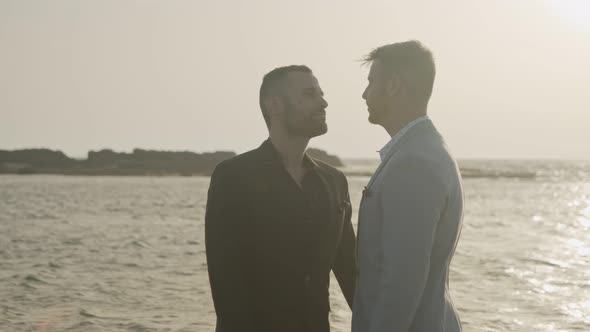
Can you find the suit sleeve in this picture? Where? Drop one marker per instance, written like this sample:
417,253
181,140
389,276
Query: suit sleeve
227,251
345,264
411,202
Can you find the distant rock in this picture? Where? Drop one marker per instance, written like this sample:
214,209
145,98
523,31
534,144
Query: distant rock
30,161
154,162
325,157
109,162
138,162
41,157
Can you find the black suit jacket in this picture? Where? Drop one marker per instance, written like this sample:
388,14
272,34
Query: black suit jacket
268,270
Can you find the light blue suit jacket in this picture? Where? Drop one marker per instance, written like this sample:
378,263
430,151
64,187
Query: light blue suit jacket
409,224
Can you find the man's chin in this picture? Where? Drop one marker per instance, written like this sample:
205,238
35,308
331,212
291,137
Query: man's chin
319,131
373,119
310,132
376,116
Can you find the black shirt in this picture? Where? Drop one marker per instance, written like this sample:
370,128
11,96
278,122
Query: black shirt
271,243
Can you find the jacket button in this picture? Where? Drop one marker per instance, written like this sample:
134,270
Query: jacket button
307,279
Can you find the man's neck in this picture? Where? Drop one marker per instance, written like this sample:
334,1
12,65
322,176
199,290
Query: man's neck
397,123
290,149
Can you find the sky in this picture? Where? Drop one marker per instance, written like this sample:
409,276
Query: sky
512,76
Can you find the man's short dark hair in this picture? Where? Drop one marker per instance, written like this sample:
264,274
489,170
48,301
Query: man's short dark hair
272,83
412,61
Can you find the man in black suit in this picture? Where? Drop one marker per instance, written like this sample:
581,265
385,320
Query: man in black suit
278,221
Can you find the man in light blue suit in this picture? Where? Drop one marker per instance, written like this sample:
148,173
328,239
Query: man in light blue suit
411,211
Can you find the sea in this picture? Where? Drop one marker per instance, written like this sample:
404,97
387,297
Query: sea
102,253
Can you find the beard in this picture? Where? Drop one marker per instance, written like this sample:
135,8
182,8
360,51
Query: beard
376,115
378,108
297,124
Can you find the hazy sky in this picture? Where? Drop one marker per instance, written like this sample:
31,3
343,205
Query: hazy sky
512,75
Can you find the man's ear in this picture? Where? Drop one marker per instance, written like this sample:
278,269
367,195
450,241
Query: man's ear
393,85
274,104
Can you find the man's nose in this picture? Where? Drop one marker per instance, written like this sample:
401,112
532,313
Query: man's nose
324,103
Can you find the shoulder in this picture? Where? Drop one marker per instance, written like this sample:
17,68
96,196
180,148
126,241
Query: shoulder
329,170
332,174
238,163
427,169
427,154
233,169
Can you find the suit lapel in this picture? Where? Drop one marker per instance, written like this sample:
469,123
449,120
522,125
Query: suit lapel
412,132
270,162
331,193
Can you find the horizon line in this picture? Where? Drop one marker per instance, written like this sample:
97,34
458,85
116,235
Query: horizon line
342,157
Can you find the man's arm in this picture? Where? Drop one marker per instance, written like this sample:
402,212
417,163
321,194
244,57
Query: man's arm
225,222
411,202
345,264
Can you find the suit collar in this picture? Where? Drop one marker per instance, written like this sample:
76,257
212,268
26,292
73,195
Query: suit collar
418,129
271,157
385,152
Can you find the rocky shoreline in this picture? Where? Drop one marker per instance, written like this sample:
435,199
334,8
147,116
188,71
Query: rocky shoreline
139,162
174,163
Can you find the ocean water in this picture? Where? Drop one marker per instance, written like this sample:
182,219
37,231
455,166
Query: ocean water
127,253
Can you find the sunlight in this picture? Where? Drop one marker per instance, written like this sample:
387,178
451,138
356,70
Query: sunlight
574,11
578,311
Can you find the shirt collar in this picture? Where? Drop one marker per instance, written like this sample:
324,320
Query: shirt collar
384,152
274,158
